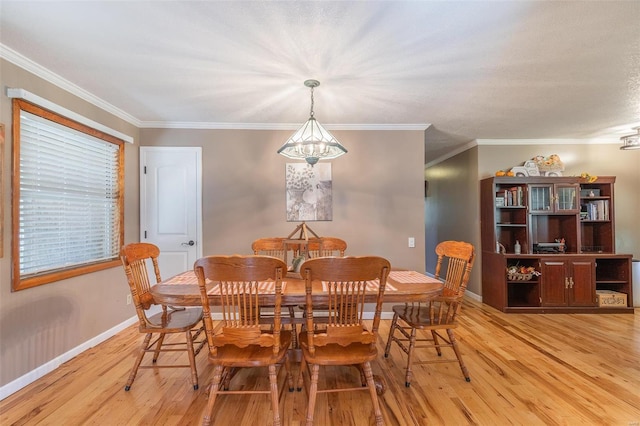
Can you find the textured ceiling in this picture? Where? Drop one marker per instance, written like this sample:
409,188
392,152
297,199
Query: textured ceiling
471,70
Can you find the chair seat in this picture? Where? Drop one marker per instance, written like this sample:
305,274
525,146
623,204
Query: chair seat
418,317
252,355
174,321
334,354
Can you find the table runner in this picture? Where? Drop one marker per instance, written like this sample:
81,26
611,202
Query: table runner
189,277
372,286
409,277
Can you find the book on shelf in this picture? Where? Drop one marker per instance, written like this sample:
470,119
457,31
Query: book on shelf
512,197
595,210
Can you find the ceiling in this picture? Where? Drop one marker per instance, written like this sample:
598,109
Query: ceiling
469,70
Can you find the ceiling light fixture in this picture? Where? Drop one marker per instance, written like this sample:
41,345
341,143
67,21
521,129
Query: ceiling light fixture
312,142
631,141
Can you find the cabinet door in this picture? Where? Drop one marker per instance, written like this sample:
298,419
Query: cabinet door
582,283
566,198
554,282
554,198
541,198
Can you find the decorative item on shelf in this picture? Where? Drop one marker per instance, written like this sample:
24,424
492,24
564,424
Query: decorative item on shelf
589,178
312,142
556,247
500,248
521,273
540,166
516,247
503,173
631,141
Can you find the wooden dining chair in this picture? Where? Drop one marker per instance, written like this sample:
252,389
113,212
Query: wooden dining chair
438,314
239,339
269,246
343,339
323,247
276,247
136,259
327,246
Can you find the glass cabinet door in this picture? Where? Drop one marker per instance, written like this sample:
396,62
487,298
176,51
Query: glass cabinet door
553,198
566,198
541,197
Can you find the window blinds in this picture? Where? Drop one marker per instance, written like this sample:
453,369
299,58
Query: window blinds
69,212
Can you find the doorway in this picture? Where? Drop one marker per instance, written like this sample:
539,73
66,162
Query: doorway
171,205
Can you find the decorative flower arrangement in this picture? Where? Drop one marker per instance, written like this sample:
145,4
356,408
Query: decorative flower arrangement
299,179
521,273
588,177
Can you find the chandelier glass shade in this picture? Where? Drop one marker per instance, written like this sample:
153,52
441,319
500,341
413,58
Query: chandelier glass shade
312,142
631,141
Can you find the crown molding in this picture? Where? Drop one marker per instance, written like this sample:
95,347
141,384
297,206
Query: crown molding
453,153
565,141
275,126
53,78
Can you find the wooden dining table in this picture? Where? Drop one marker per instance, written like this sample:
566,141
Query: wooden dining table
402,286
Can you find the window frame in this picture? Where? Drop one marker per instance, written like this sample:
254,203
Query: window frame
18,282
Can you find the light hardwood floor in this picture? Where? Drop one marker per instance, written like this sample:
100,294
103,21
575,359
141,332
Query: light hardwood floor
526,369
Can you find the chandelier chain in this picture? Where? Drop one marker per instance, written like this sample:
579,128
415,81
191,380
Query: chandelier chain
312,101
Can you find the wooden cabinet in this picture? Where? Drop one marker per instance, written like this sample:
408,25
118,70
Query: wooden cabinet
567,282
565,226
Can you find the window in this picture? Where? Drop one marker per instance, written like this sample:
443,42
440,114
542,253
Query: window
67,197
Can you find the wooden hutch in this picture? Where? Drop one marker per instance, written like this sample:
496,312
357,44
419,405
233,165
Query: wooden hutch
566,230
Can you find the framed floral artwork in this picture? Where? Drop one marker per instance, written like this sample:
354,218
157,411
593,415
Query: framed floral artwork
308,192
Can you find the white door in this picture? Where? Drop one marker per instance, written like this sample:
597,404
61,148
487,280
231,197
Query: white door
171,204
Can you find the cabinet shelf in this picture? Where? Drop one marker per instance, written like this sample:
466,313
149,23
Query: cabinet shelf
536,211
598,281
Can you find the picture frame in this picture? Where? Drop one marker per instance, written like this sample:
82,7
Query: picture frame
308,192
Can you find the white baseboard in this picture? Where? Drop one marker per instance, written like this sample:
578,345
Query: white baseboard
48,367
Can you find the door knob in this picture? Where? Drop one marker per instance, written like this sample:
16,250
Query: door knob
190,243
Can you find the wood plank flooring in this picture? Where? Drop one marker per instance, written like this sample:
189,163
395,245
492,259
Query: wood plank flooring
526,369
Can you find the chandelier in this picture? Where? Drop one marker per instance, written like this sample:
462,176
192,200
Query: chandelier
631,141
312,142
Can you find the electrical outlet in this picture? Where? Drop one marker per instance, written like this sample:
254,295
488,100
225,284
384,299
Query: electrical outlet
412,242
129,299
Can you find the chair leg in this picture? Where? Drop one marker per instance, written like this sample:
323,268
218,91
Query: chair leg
303,366
158,347
192,361
213,393
412,344
294,328
138,361
229,373
287,366
394,322
366,367
313,391
273,384
436,343
363,376
456,349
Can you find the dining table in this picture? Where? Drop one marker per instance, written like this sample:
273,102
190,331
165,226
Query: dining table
402,286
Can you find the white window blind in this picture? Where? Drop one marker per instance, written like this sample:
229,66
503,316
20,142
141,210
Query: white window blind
69,191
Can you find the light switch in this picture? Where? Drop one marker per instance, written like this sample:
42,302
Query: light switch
412,242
